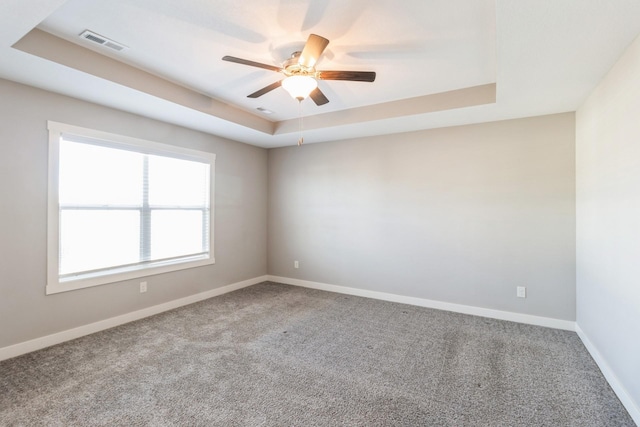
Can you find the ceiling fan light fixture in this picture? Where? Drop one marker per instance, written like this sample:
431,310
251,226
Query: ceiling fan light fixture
301,77
299,87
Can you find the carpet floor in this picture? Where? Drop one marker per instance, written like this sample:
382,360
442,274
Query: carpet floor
278,355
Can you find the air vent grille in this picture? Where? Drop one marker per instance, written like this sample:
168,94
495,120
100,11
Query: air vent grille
103,41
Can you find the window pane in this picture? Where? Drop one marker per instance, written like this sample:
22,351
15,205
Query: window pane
177,182
93,239
175,233
95,175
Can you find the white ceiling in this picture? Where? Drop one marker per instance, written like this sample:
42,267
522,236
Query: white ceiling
544,57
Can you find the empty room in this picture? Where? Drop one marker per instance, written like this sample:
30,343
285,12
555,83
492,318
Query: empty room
320,213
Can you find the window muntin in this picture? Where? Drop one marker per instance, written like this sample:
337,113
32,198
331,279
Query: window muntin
122,208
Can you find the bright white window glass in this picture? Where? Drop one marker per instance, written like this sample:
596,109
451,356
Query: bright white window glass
96,239
174,182
175,233
97,181
121,208
91,174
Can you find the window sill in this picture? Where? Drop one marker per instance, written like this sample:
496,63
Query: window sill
56,285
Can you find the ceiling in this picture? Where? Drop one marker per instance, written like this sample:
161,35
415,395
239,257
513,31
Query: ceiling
438,62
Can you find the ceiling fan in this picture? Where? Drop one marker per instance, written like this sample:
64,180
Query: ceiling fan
301,76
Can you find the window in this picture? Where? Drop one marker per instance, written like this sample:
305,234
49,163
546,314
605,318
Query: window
121,208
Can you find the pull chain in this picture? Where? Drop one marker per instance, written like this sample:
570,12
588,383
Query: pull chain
301,139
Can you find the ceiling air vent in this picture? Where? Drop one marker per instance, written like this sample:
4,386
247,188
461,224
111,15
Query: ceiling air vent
97,38
264,110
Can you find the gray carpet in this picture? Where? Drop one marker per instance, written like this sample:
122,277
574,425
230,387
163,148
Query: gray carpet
277,355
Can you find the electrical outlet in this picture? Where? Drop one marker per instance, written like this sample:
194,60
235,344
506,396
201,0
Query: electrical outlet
296,264
143,287
521,292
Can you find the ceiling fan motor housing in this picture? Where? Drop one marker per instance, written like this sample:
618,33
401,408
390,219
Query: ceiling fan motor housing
293,67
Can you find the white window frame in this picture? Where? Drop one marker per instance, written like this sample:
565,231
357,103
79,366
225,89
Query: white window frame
54,283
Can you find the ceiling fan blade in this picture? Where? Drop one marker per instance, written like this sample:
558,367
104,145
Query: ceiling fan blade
312,50
251,63
355,76
264,90
318,97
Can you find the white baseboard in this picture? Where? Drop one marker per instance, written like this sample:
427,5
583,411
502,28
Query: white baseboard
458,308
632,407
70,334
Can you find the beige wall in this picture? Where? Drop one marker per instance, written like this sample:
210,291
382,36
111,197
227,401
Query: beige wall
25,311
461,215
608,222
